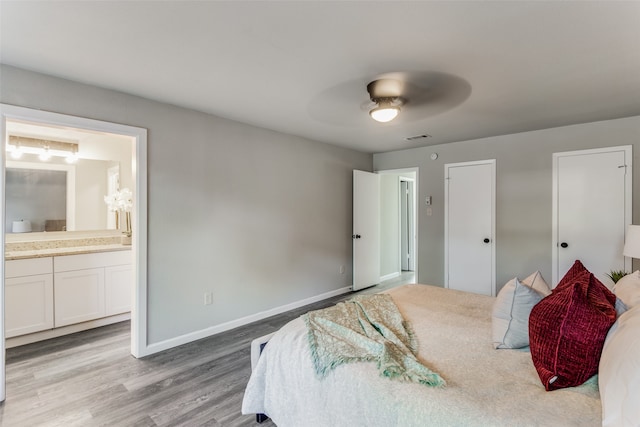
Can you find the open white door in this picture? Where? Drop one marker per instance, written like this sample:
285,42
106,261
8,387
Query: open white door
366,229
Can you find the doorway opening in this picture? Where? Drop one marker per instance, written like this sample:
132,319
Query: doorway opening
87,216
398,225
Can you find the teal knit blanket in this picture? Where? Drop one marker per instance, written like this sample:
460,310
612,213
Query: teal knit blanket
367,328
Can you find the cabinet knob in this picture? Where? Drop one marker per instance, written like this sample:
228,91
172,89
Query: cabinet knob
564,245
486,240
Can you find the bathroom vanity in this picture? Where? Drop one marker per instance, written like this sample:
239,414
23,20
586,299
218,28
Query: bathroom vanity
61,283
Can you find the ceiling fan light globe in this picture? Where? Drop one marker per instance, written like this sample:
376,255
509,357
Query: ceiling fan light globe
384,114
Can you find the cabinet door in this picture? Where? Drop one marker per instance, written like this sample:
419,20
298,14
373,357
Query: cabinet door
79,296
118,282
28,304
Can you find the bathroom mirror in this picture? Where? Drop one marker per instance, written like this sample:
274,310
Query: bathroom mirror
54,195
57,196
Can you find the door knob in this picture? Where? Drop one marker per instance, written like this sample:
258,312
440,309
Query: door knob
486,240
564,245
355,236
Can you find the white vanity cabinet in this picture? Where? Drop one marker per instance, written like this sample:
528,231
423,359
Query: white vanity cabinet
118,289
91,286
28,296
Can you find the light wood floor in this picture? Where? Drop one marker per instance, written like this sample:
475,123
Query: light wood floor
91,379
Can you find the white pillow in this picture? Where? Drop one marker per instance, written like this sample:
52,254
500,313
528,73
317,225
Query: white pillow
536,281
628,289
619,372
511,309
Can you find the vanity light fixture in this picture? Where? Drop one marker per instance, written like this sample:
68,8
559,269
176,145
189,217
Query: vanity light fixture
16,152
45,155
71,157
45,149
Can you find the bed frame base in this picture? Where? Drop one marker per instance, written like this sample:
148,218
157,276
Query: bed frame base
257,346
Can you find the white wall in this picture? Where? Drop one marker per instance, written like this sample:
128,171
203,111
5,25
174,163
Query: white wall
524,192
259,218
91,187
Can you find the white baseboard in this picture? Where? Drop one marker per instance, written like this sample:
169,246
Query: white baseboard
65,330
204,333
390,276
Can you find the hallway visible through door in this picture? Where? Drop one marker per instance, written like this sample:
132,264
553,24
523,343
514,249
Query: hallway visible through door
398,223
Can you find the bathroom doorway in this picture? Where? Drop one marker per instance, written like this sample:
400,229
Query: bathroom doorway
17,120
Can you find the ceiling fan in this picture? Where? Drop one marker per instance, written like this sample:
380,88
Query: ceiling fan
405,96
385,99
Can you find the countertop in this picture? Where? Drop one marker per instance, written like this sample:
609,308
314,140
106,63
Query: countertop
39,245
40,253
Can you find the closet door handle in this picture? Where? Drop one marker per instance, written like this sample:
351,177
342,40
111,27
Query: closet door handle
486,240
564,245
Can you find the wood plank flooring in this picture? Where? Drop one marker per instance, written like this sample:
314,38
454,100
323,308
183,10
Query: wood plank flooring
91,379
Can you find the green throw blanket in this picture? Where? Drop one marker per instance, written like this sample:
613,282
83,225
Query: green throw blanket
367,328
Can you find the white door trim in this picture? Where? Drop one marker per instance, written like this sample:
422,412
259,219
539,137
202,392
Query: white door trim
447,166
627,149
139,345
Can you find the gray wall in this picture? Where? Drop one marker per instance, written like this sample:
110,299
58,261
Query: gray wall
524,191
261,219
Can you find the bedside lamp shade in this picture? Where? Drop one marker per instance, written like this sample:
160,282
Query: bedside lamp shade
632,242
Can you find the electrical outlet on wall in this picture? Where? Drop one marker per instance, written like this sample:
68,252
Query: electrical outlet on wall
208,298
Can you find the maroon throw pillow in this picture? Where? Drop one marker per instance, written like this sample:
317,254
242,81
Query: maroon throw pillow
567,330
576,269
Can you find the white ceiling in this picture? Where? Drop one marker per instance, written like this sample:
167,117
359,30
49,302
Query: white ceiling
528,64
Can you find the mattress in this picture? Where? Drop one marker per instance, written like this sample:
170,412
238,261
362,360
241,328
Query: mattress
485,386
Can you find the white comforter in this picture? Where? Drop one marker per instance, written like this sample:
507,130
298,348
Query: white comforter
485,387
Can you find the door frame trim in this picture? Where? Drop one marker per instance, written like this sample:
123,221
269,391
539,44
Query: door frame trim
628,208
448,166
139,346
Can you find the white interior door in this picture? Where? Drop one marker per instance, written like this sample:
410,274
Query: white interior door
591,210
470,226
366,229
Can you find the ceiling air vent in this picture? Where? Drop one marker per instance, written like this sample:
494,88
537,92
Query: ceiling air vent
414,138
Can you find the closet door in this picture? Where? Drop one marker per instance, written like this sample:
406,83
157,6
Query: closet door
591,210
470,226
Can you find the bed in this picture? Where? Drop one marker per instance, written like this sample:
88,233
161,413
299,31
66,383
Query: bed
485,386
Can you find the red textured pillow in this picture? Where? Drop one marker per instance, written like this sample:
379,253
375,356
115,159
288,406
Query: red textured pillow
567,330
576,269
